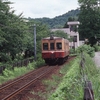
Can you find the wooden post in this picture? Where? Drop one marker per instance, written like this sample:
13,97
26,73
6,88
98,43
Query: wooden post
88,92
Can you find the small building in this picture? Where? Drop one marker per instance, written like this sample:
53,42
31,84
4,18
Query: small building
73,26
71,33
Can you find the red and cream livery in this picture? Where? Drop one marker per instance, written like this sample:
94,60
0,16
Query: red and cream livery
55,49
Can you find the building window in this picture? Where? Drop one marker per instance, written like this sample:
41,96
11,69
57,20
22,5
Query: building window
75,39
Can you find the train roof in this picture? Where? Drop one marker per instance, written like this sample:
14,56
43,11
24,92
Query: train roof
52,38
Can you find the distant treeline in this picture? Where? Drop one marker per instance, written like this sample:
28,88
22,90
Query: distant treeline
58,21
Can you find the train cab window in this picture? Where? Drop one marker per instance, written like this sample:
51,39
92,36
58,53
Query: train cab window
45,46
51,46
59,45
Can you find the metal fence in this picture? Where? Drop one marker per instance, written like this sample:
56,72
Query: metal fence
24,62
88,91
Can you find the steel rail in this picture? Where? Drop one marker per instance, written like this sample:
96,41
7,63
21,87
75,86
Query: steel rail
15,81
28,84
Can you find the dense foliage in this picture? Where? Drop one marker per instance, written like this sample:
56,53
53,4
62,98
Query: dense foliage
16,33
86,48
72,85
11,32
89,18
59,34
9,74
58,21
67,89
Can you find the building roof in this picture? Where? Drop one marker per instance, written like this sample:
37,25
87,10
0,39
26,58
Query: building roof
73,23
65,30
52,38
60,29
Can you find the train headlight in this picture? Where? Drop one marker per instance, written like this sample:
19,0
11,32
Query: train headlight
52,55
52,52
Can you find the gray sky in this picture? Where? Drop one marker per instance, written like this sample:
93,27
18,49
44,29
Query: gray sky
43,8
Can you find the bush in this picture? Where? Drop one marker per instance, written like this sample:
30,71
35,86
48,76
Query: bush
72,85
4,57
9,74
96,47
72,51
86,48
39,61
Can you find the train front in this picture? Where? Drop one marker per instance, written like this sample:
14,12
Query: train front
52,49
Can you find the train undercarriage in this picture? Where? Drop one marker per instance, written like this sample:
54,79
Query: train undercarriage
54,61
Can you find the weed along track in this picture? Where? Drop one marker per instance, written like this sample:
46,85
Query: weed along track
17,88
44,87
9,91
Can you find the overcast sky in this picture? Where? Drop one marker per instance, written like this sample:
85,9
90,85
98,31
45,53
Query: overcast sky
43,8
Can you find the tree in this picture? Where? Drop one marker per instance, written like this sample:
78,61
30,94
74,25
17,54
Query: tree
16,34
58,21
89,18
59,33
42,31
3,19
69,20
11,32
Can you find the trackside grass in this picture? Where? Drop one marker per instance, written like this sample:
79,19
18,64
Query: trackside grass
12,74
9,74
72,86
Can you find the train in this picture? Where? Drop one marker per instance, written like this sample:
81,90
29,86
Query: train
55,50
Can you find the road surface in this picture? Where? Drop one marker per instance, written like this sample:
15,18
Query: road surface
96,59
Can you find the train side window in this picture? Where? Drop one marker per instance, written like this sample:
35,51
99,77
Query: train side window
59,45
51,46
45,46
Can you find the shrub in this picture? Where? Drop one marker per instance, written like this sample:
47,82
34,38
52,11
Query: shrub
86,48
96,47
9,74
39,61
72,86
72,51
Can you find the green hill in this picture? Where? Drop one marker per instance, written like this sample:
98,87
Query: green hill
58,21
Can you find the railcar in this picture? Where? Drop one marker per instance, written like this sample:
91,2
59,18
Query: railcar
55,50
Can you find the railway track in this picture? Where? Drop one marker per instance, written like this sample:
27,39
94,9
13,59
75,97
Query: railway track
9,91
12,89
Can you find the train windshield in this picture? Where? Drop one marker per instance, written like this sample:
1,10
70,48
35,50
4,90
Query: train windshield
59,45
45,46
51,46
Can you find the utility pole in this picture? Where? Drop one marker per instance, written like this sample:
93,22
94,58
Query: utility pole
34,42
